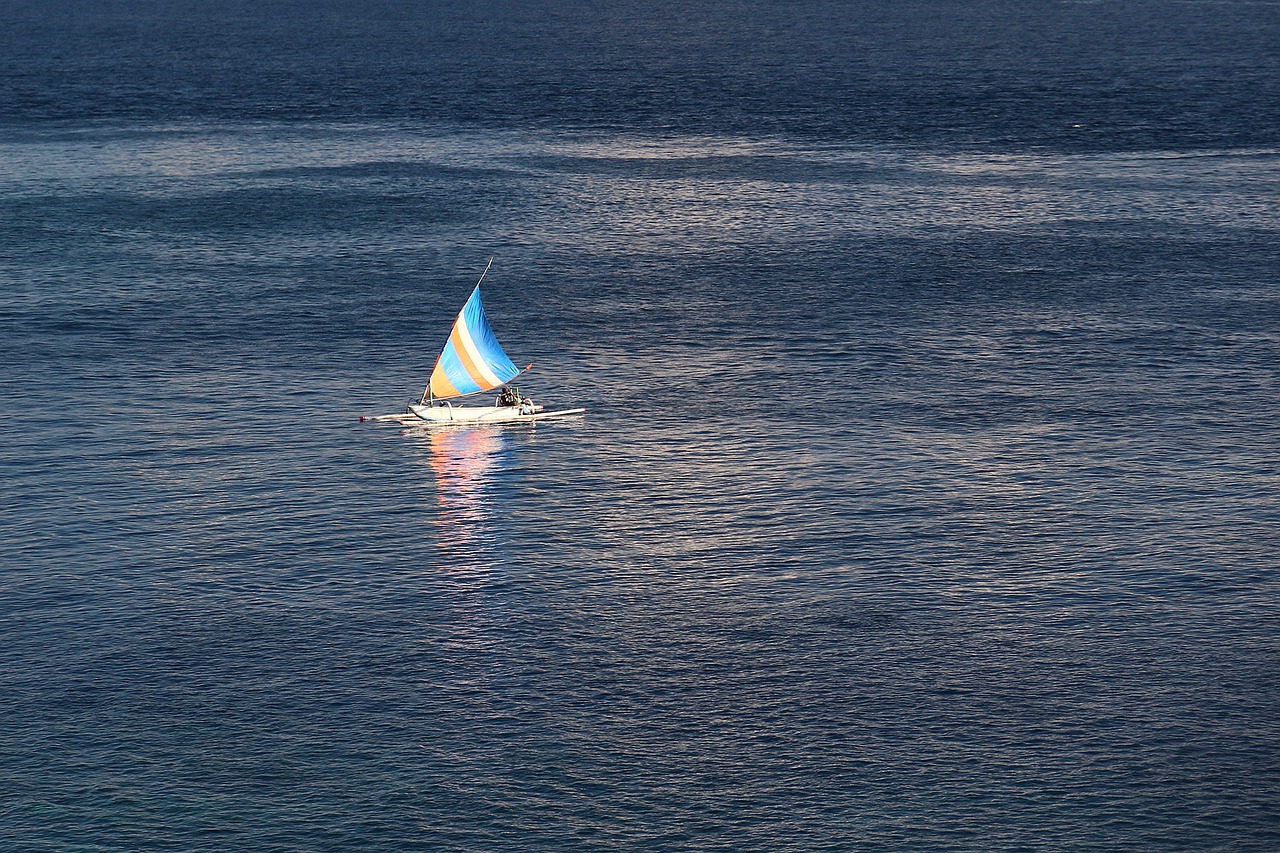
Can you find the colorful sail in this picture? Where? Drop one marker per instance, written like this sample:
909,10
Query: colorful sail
472,360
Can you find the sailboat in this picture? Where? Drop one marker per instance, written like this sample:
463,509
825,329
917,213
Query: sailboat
472,362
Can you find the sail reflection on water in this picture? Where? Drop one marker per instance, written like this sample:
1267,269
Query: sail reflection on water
465,463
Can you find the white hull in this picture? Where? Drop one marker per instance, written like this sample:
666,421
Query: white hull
470,415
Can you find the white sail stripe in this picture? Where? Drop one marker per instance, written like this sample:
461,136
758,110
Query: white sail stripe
476,358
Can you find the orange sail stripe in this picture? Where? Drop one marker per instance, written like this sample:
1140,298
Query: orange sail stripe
441,386
455,338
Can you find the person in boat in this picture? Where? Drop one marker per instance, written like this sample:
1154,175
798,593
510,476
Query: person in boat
510,396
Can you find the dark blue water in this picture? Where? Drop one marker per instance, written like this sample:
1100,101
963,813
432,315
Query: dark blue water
927,498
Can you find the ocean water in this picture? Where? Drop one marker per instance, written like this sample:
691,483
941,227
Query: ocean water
927,497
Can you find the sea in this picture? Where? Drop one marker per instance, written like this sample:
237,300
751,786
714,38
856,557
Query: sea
927,496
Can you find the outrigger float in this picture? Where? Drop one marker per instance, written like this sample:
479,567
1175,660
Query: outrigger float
472,362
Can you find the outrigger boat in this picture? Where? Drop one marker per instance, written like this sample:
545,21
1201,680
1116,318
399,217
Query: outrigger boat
472,362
